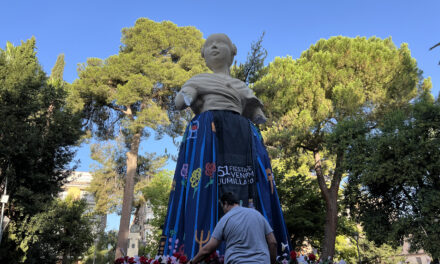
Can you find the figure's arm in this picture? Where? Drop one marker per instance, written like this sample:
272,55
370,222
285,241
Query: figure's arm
253,111
272,244
185,97
206,250
252,106
258,116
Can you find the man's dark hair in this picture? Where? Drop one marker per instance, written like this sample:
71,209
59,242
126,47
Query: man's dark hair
229,198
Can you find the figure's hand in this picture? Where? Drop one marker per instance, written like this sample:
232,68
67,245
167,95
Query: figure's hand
259,119
188,99
255,113
185,97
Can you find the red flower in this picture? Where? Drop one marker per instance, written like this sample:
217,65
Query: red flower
131,260
156,262
143,260
312,256
209,168
183,259
210,258
176,255
119,261
213,255
292,255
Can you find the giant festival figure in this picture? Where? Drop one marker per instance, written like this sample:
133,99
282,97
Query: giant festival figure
221,151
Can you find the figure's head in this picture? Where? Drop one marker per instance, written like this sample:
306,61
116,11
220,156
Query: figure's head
228,200
218,50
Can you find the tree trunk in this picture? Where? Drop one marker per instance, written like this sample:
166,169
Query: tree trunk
141,221
127,202
65,257
331,223
330,196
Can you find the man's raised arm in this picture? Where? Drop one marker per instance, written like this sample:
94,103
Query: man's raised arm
207,249
272,244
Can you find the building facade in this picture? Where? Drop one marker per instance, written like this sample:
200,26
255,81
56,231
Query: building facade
419,257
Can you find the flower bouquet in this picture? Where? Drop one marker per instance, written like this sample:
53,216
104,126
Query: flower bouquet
176,258
292,258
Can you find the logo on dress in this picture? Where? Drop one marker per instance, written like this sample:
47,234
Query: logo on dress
184,173
176,242
209,171
193,128
195,179
200,240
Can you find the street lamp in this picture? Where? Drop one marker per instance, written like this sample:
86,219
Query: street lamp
356,237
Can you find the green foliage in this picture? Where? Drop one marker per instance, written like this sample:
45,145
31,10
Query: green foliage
303,209
133,92
135,89
108,175
253,69
346,248
311,101
395,190
58,68
337,78
157,192
107,183
105,246
63,231
37,132
371,253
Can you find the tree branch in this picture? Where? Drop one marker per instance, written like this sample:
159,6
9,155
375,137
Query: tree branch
433,47
321,181
117,108
337,175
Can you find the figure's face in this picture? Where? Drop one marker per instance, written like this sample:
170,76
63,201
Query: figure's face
217,51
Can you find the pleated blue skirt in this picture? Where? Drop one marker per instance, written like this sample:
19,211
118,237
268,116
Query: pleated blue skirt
221,151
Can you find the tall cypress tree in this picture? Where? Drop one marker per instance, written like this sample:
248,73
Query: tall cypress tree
58,68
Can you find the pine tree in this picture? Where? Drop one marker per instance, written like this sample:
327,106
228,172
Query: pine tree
311,103
135,89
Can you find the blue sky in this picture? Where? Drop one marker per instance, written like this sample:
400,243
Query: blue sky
82,29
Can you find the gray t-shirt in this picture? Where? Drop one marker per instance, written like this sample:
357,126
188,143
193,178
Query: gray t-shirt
244,230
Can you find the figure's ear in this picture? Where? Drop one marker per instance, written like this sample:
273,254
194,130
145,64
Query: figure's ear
202,50
234,49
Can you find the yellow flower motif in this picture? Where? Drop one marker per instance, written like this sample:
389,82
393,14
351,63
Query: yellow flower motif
195,177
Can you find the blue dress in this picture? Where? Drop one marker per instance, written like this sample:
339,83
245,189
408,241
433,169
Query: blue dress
221,151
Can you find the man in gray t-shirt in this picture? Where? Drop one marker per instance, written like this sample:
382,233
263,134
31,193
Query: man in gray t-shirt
248,236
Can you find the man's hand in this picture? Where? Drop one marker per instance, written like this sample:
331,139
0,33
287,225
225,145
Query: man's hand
206,250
